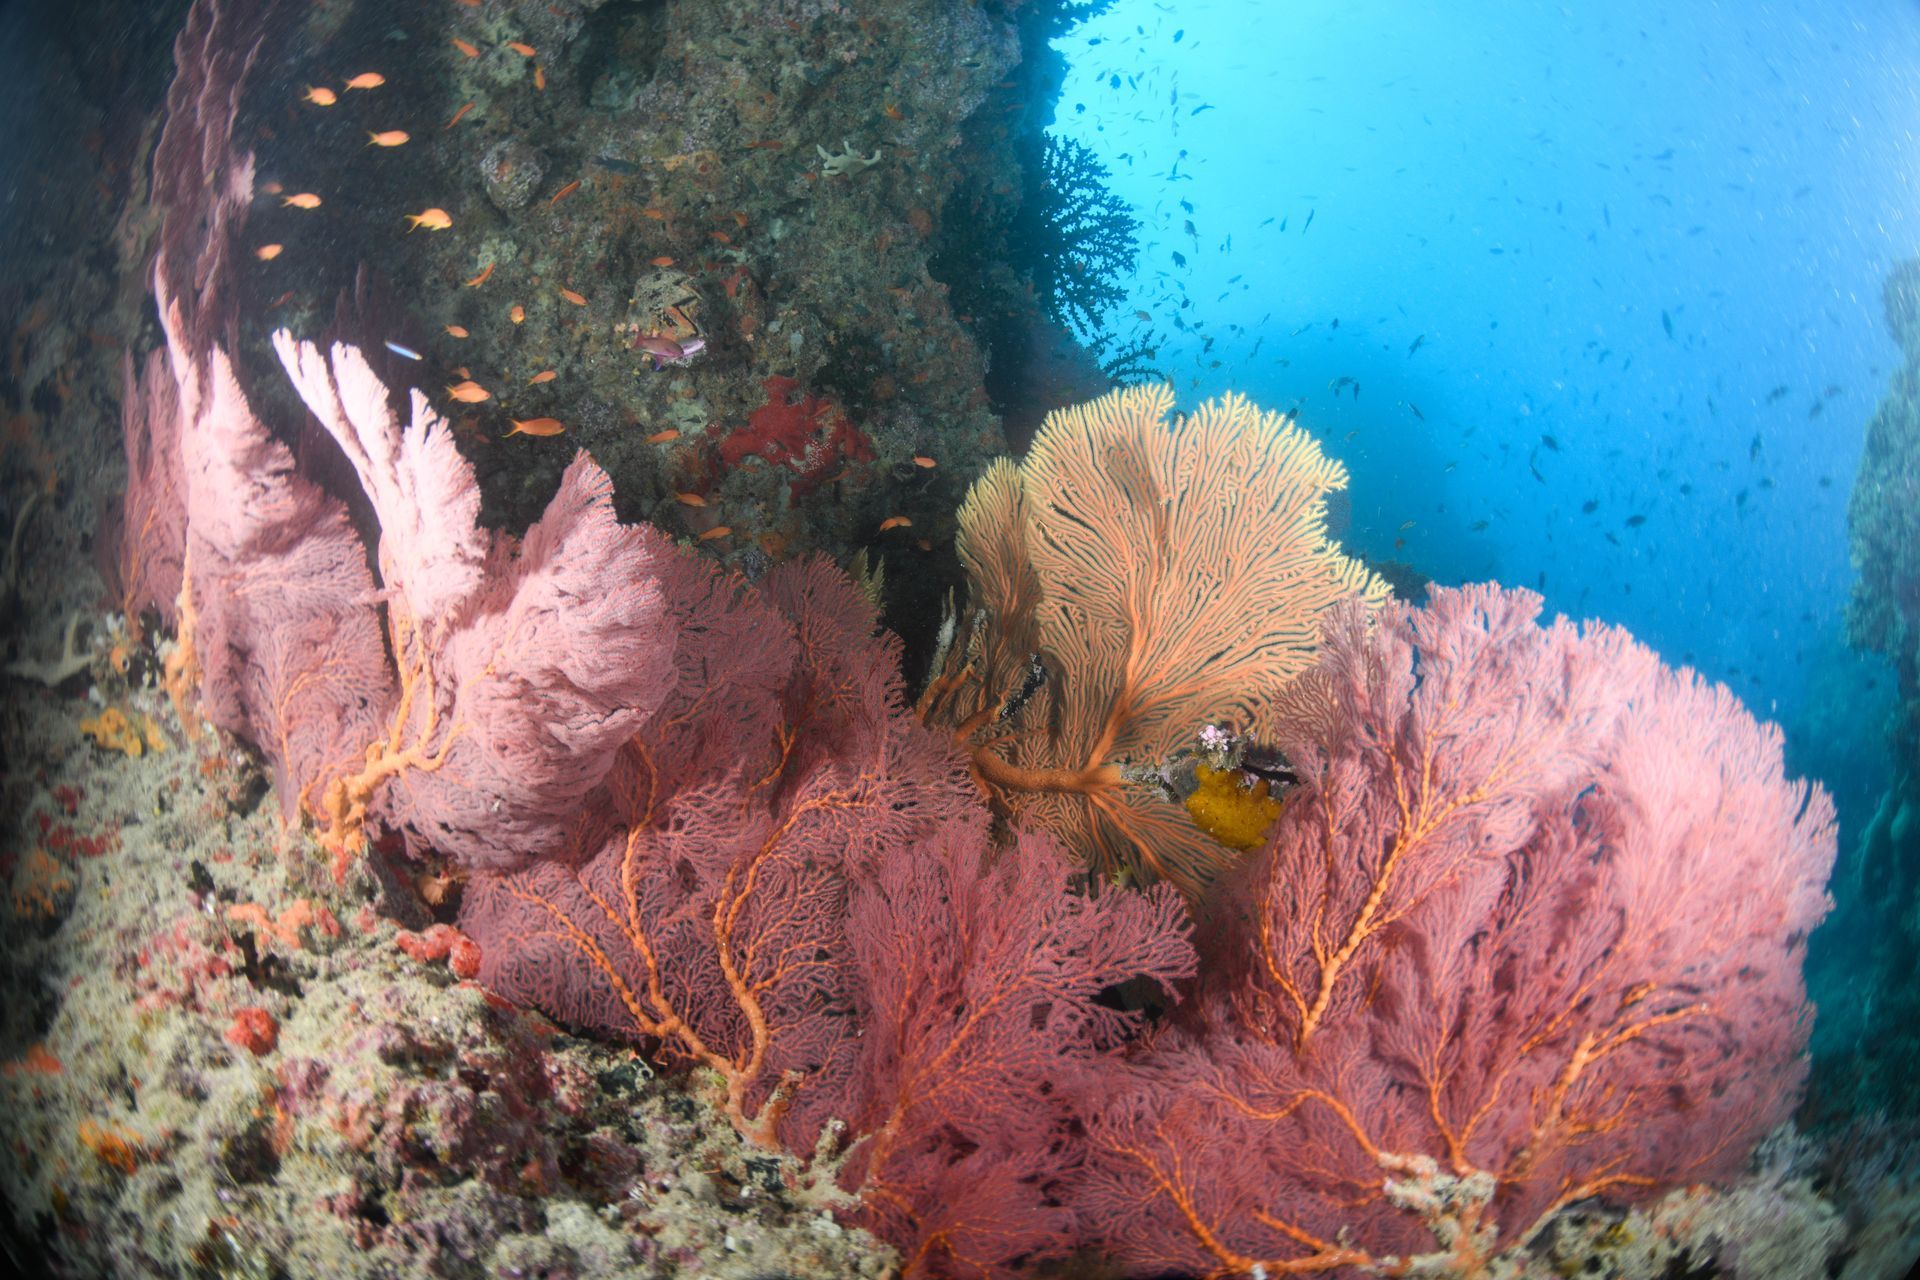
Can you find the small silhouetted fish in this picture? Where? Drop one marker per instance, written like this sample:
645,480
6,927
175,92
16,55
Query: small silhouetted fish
1187,205
1190,230
1205,106
1417,342
1308,222
1666,322
1610,538
1265,221
1416,411
1176,35
1826,482
1302,329
1686,491
1533,467
1778,393
1634,522
1480,525
1550,442
1753,450
1831,391
1665,155
1179,259
1590,506
1818,405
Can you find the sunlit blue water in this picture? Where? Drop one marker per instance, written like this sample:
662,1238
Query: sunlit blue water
1639,247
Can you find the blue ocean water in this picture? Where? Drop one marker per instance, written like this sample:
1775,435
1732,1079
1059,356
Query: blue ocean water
1605,281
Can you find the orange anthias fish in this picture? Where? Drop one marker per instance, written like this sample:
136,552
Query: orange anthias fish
469,392
431,219
536,427
456,331
573,297
319,96
922,460
390,138
367,80
267,252
662,261
663,437
539,77
305,200
459,114
895,522
481,279
718,531
690,499
471,51
564,192
518,313
545,375
522,48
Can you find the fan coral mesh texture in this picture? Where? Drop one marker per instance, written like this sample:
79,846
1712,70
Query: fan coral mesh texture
1533,934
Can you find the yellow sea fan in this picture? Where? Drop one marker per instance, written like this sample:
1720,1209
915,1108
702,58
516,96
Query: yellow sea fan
1171,574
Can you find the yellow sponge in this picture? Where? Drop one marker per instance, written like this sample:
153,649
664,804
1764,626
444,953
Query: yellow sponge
1231,810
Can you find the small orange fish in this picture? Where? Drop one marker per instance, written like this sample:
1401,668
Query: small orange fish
922,460
522,48
270,189
539,77
894,522
481,279
536,427
455,331
662,261
564,192
656,214
281,301
721,236
893,112
663,437
573,297
319,96
471,51
390,138
691,499
431,219
305,200
718,531
268,252
545,375
367,80
462,372
518,313
923,543
458,114
469,392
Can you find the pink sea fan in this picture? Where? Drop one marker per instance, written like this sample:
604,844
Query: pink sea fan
282,633
523,665
153,522
710,919
1531,934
